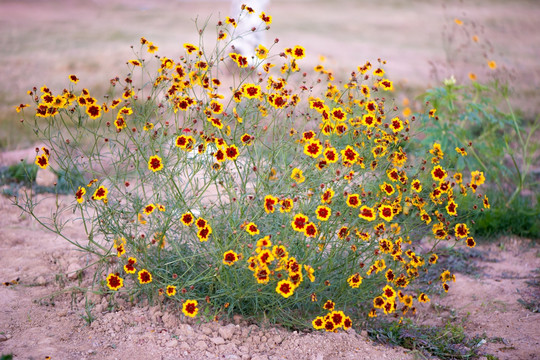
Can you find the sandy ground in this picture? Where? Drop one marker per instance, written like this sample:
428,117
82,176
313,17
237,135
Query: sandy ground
43,315
42,42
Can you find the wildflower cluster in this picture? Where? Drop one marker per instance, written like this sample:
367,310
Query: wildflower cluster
234,194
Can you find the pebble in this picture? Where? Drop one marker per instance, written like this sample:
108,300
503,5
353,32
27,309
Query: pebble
3,337
201,345
46,177
185,346
237,318
227,332
259,357
73,271
218,340
206,330
41,281
171,343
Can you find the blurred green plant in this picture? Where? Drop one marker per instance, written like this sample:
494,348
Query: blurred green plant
475,133
23,172
445,342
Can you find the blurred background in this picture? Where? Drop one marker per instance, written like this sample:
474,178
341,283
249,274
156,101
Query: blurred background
42,42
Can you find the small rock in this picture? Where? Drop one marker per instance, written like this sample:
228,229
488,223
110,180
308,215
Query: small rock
232,357
41,281
206,330
259,357
169,320
3,337
46,177
201,345
227,332
185,346
278,339
184,329
171,343
318,357
218,340
237,318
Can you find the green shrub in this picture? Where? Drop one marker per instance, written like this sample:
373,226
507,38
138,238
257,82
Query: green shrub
226,186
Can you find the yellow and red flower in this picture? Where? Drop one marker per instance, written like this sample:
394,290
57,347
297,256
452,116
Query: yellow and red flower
285,288
155,163
187,219
252,229
100,193
114,282
355,280
386,212
313,149
329,305
129,267
204,233
323,212
353,200
42,161
251,91
230,257
299,222
286,205
310,230
330,155
367,213
461,230
438,173
79,195
148,209
144,276
298,176
326,197
269,203
171,290
423,298
232,152
189,308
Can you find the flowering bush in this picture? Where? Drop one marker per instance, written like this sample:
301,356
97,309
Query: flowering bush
244,185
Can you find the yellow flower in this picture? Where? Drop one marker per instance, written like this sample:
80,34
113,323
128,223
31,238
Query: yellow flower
152,48
297,175
492,65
